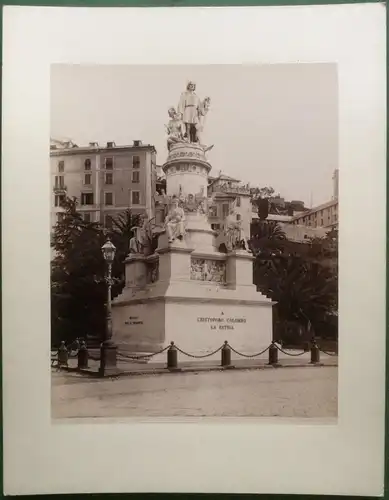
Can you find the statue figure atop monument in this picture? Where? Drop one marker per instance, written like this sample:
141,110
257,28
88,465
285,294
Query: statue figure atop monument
193,112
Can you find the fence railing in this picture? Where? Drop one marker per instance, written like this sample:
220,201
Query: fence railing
80,351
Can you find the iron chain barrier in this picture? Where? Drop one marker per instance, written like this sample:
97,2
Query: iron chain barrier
198,356
289,353
247,355
64,353
143,356
328,353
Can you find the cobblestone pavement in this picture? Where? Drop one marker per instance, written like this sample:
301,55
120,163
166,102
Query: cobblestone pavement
287,392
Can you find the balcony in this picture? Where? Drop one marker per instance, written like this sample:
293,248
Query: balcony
60,189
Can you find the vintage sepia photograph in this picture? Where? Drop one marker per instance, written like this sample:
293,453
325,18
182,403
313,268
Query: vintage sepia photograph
185,193
194,241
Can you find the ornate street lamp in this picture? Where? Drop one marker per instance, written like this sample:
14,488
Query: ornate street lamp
108,350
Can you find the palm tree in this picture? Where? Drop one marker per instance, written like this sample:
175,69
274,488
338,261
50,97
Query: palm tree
123,224
300,278
305,292
267,239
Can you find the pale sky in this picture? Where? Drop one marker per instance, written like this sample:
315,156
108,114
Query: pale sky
271,125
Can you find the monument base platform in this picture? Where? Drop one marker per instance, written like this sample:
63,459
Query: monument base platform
197,317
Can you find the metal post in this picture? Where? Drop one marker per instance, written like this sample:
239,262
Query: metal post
172,361
63,355
108,333
82,356
273,354
226,354
108,350
315,353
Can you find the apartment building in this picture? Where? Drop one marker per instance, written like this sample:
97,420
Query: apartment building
325,215
106,180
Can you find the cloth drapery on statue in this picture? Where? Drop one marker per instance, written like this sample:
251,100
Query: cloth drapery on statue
189,107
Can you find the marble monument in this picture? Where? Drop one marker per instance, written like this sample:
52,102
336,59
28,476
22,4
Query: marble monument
186,291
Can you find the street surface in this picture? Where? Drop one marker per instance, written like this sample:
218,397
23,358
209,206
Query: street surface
287,392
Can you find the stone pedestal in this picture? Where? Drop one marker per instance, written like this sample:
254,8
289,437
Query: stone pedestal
135,271
174,264
239,272
199,297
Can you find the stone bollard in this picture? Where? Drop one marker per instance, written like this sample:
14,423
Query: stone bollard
315,353
273,354
83,355
172,357
226,354
63,355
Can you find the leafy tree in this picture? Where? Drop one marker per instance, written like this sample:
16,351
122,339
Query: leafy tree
78,286
78,291
261,193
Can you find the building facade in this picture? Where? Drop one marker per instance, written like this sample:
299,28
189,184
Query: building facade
325,216
106,180
228,193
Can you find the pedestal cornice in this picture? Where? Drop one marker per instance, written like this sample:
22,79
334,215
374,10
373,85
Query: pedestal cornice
240,254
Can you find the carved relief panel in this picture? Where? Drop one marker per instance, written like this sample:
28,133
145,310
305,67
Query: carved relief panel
208,270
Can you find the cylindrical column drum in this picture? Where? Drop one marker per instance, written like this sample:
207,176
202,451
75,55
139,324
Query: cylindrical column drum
186,171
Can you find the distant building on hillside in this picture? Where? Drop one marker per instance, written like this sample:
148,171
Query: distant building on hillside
325,215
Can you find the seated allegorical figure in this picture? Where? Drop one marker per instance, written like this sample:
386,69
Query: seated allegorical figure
175,221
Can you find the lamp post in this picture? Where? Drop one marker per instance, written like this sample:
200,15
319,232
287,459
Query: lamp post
108,349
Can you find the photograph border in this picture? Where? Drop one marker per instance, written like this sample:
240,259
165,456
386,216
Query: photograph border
189,3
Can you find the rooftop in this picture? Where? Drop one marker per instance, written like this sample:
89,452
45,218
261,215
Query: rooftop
68,147
222,177
313,210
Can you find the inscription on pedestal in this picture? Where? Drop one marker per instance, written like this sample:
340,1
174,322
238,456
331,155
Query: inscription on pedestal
133,320
221,322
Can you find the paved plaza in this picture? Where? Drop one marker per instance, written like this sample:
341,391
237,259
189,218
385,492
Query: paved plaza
286,392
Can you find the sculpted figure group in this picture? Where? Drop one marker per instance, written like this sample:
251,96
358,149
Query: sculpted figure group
141,242
187,123
235,237
174,223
